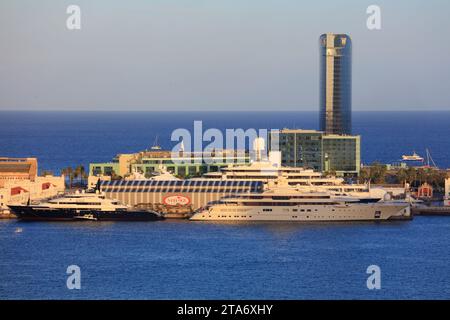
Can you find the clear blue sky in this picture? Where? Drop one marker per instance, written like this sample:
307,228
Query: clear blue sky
218,55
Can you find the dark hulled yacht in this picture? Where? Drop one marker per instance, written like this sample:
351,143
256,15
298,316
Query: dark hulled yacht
82,206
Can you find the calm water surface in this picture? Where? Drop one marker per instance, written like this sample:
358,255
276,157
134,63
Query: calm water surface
197,260
61,139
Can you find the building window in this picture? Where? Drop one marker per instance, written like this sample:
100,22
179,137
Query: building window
192,170
181,171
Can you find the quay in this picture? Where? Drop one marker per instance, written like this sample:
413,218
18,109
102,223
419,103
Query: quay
6,214
431,211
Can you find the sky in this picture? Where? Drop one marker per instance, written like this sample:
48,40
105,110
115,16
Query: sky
260,55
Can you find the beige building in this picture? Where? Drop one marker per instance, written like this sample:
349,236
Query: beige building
19,182
17,169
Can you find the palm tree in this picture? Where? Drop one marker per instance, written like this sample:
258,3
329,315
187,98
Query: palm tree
437,178
378,172
422,175
402,175
411,174
80,173
364,175
46,173
68,172
114,176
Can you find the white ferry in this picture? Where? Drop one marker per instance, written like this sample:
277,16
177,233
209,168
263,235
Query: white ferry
413,157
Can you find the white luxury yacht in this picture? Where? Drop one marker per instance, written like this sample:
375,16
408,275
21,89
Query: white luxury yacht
292,204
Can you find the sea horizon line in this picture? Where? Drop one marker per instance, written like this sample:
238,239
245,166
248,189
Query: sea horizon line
211,111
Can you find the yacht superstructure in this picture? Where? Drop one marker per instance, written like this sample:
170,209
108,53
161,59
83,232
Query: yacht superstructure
306,179
413,157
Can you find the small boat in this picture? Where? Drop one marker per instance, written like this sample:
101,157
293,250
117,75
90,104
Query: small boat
87,216
177,215
413,157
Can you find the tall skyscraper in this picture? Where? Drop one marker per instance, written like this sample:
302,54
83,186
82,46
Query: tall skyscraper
335,83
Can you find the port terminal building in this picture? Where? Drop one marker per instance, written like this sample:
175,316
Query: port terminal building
338,153
183,164
161,195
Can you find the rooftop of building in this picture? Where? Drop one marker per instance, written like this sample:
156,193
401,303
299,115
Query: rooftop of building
299,130
169,154
9,159
306,131
18,165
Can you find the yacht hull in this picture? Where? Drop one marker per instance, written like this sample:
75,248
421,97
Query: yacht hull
31,213
359,212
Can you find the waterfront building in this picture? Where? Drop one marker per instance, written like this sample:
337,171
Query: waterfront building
19,182
396,166
161,195
17,169
335,83
317,150
181,163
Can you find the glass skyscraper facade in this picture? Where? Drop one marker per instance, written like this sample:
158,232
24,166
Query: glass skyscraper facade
319,151
335,83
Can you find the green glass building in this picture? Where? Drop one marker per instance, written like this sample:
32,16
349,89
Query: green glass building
183,164
319,151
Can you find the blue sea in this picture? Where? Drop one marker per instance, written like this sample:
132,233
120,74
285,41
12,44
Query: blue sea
61,139
197,260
